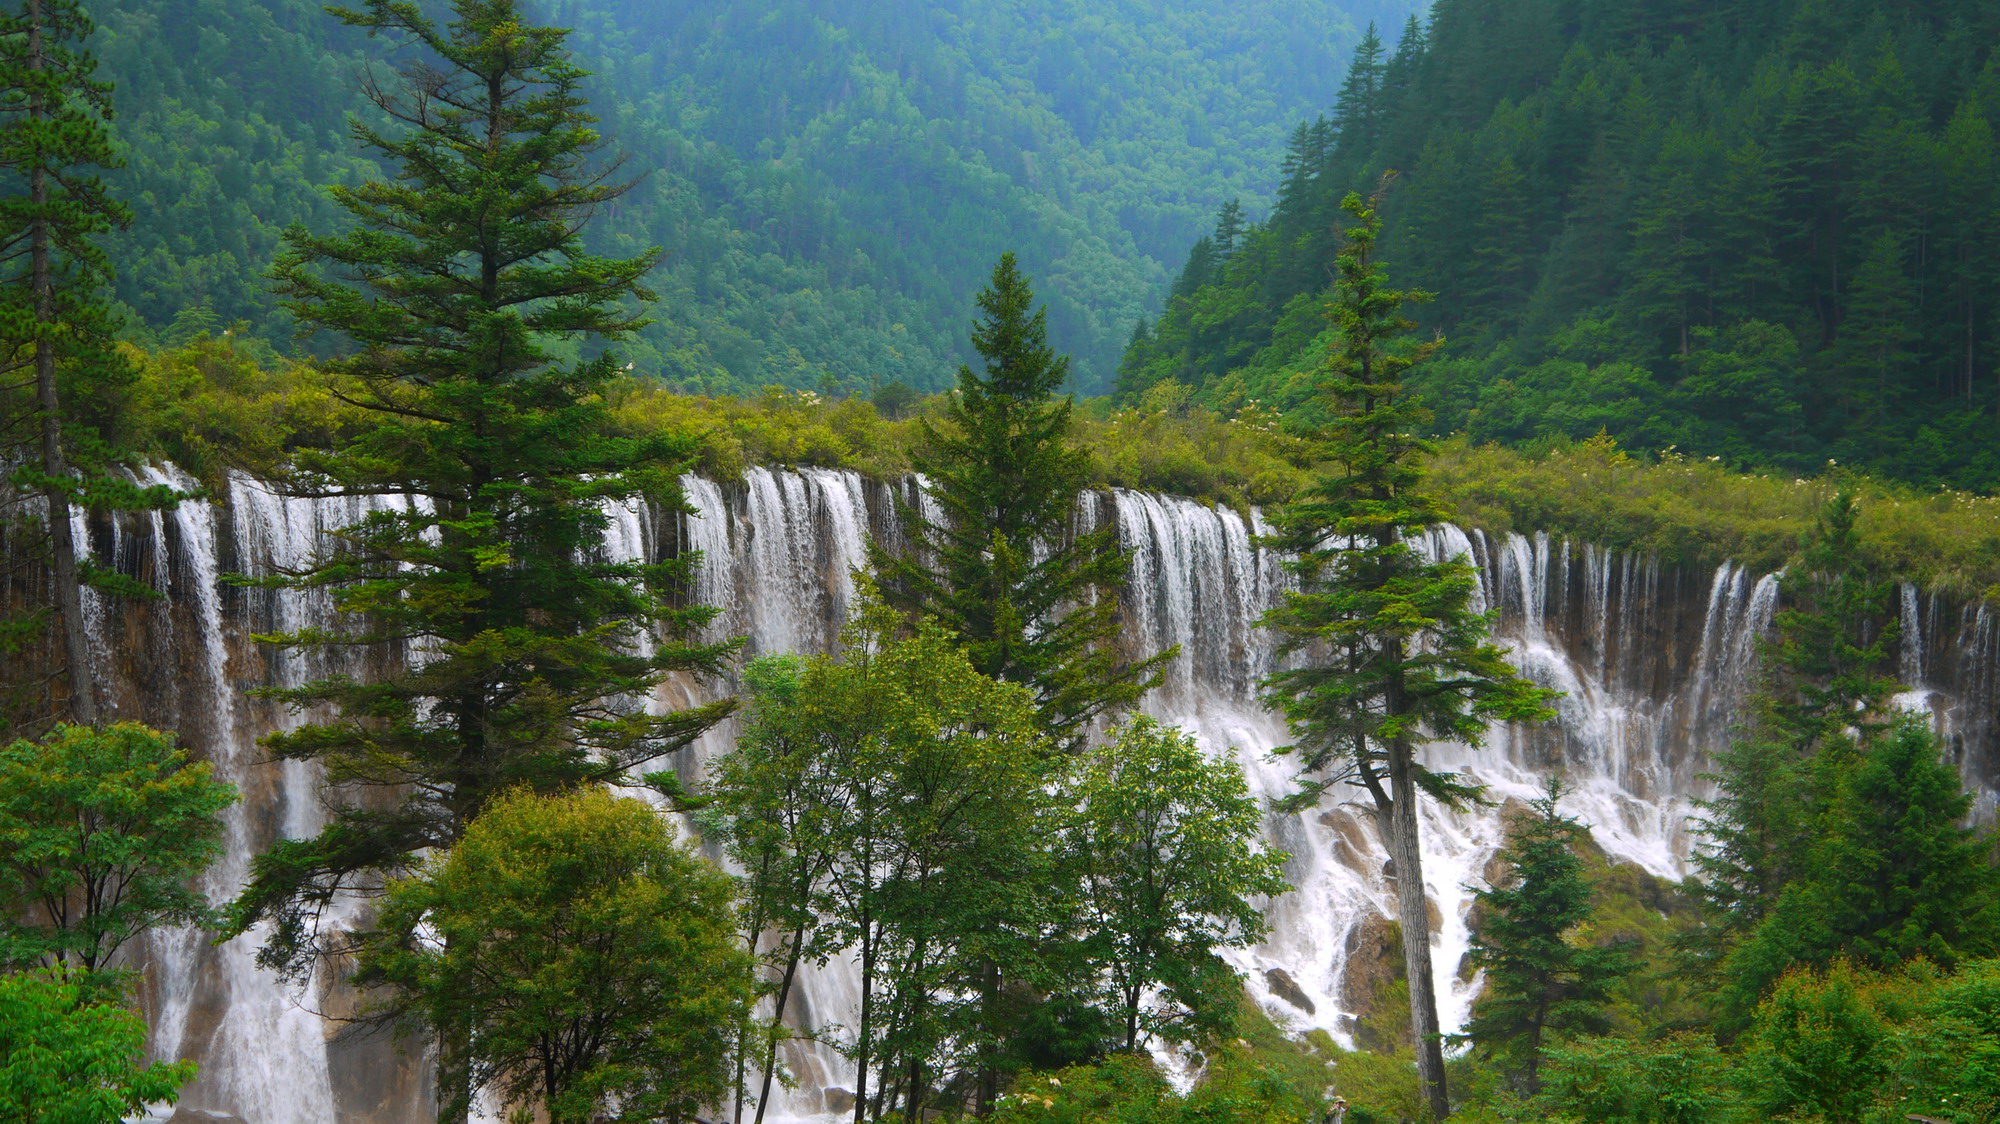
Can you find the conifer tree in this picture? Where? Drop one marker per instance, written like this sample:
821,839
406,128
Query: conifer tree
1393,653
1004,568
1825,679
1893,875
527,647
1358,112
55,320
1540,977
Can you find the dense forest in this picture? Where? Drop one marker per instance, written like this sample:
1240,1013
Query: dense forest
828,180
1759,232
1561,266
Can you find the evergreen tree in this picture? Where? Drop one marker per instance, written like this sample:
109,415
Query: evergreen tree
1542,975
527,649
1825,673
1396,654
1875,353
1893,875
55,319
1004,567
1358,113
1229,229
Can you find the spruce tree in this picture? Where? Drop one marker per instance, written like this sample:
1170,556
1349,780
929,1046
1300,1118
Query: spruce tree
1824,692
1390,652
1892,876
1030,597
1541,978
526,651
55,320
1358,112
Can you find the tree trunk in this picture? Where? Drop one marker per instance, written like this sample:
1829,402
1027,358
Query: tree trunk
867,1005
62,540
778,1020
1414,915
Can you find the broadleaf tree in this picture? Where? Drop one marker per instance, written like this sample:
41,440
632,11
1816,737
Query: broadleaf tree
516,649
592,954
1387,651
1004,564
1167,843
71,1056
102,832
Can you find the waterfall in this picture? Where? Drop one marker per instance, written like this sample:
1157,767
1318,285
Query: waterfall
1654,663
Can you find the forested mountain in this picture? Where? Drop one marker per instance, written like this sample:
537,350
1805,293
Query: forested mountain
1764,232
830,179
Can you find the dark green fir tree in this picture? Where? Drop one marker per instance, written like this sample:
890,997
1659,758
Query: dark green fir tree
1543,976
1392,653
1004,565
527,649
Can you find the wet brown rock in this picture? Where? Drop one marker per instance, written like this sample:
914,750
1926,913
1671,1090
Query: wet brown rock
1286,988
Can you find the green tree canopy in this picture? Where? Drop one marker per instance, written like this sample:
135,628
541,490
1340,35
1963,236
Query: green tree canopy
1167,841
590,954
460,285
1004,565
1545,976
69,1058
102,834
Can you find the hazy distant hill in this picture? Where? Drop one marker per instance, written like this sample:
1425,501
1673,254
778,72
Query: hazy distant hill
831,178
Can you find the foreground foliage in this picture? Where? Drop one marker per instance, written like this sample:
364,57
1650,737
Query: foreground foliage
462,280
70,1056
102,832
1393,653
588,954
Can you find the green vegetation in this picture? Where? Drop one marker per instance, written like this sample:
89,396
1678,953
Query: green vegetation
1030,601
829,181
102,829
69,1058
1760,232
1164,841
465,272
1395,654
55,322
589,956
1541,979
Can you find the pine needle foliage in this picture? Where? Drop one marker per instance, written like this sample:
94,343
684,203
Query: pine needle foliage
1003,563
460,284
1387,651
1544,976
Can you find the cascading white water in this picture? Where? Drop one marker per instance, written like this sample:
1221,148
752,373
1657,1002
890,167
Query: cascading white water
1653,663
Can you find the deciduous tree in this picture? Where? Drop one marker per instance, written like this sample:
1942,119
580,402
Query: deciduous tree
102,832
591,955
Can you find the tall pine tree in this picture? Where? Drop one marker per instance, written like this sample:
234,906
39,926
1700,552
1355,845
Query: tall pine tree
527,649
1391,653
1004,566
55,321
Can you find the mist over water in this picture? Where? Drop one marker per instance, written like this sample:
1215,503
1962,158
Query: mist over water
1654,663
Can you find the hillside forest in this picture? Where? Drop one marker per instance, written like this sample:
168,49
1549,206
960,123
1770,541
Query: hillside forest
1702,281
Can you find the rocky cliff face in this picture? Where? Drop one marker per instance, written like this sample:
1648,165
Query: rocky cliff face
1654,663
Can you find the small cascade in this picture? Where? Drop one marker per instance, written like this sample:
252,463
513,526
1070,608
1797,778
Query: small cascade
1654,664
